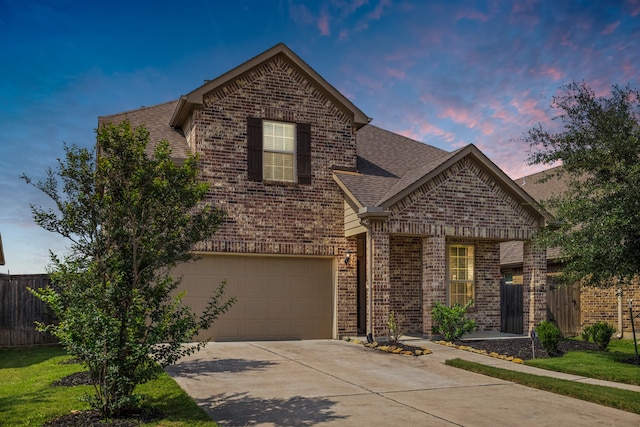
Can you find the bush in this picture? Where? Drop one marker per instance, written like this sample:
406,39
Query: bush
586,333
450,321
549,336
601,333
395,330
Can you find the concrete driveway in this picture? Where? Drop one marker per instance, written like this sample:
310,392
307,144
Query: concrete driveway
325,382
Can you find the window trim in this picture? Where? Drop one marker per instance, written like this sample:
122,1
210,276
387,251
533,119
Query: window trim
450,281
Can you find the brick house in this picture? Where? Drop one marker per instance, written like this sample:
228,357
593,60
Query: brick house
333,222
588,304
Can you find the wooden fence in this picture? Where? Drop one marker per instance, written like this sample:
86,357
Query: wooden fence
563,307
19,310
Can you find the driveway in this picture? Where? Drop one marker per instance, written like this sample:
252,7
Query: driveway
326,382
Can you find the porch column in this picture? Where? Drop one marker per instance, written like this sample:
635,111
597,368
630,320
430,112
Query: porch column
379,291
535,285
434,270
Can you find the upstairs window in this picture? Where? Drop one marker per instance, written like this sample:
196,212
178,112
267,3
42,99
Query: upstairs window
278,151
461,284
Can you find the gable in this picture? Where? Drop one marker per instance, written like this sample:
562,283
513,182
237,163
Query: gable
464,200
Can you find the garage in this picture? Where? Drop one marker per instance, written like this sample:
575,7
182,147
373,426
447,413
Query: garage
278,298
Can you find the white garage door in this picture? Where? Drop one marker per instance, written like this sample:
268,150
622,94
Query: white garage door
278,298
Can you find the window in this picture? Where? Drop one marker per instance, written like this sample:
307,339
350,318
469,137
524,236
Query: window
278,151
460,274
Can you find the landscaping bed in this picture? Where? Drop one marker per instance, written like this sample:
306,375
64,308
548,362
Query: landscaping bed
521,348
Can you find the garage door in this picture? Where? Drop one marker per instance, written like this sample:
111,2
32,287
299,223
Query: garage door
278,298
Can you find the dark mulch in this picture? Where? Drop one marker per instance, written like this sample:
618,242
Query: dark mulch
521,347
93,418
79,378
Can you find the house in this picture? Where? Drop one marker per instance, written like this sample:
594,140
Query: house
333,222
585,306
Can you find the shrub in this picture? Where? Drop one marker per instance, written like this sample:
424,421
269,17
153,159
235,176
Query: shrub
451,321
549,336
395,331
601,333
586,333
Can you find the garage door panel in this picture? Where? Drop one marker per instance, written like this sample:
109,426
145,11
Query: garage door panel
277,297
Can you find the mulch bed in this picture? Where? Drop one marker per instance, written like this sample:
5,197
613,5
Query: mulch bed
521,347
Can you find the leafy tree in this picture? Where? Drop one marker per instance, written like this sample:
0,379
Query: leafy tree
598,218
130,218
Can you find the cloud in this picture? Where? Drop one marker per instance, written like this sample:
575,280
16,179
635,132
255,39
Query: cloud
611,28
323,24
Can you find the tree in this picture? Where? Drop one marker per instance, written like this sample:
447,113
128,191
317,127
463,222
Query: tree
598,217
130,219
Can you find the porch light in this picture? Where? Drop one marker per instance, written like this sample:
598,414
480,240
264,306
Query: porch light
347,257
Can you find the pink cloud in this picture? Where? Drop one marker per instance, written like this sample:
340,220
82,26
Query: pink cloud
459,115
394,72
528,107
611,28
634,5
432,130
323,24
555,73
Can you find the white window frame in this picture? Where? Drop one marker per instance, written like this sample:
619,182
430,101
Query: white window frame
460,274
279,141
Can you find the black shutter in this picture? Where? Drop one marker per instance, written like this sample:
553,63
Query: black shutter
254,148
304,152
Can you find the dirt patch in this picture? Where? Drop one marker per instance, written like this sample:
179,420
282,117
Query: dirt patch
94,419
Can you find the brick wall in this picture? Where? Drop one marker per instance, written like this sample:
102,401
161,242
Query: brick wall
601,305
264,217
406,282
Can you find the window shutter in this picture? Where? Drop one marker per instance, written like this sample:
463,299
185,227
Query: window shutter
254,148
303,138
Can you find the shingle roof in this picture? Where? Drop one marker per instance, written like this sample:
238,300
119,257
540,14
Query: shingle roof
511,253
156,120
386,160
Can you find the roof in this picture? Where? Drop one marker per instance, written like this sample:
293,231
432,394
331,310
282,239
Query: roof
1,252
391,166
511,253
193,99
156,121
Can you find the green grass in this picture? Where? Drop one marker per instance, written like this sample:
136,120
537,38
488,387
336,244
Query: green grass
603,365
28,399
613,397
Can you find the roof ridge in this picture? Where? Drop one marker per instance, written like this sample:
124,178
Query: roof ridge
135,110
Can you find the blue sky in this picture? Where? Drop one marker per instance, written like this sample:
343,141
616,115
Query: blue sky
447,73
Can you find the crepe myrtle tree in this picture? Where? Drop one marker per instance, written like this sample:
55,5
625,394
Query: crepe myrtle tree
598,217
130,218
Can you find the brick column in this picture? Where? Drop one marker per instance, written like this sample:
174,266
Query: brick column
434,270
381,286
535,285
346,291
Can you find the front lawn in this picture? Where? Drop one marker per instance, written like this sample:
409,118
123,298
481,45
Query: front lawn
603,365
27,397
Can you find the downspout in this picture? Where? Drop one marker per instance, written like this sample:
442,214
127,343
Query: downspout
620,328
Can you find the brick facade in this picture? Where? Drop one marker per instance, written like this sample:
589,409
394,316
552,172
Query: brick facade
273,217
601,305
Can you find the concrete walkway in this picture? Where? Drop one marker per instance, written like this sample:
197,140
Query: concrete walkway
325,382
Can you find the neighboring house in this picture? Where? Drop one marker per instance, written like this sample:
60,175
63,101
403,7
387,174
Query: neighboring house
332,222
591,304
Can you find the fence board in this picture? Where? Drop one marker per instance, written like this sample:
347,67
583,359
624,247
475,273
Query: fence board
19,310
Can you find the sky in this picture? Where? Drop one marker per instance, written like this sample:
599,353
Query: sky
447,73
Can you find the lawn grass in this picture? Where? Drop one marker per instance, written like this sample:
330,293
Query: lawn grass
28,399
608,396
603,365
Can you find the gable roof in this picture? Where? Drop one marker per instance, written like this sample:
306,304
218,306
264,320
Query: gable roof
391,166
156,121
193,99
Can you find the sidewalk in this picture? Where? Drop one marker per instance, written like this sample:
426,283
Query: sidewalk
443,353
